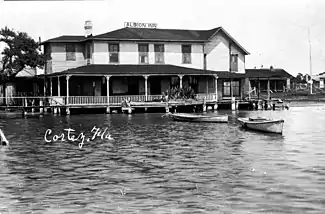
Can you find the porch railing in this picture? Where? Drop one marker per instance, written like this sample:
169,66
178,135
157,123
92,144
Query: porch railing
88,100
207,96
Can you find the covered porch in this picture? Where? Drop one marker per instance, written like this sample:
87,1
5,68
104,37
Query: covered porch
109,87
261,87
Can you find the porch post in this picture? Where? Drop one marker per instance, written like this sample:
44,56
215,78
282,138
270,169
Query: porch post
67,102
249,89
288,84
107,91
216,86
67,80
51,86
268,89
181,80
44,89
59,90
146,86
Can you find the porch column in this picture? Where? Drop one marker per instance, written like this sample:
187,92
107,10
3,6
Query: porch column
51,86
146,86
216,86
181,80
268,89
44,87
288,84
249,89
59,90
67,80
107,91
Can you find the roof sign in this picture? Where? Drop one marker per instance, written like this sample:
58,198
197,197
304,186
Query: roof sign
140,25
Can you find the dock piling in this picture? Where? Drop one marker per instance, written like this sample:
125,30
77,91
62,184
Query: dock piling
108,110
233,104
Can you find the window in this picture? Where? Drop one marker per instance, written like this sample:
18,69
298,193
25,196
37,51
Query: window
235,88
186,52
234,62
114,50
159,53
143,53
70,50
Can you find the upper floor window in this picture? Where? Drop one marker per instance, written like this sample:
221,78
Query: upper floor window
70,50
159,53
143,53
114,50
234,62
186,52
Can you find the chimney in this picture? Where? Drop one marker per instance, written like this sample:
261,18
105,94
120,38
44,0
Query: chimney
88,28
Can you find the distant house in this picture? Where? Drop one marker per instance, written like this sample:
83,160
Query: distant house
25,83
278,78
319,79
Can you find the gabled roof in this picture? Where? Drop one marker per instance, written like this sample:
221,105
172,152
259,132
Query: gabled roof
158,34
152,34
138,70
266,72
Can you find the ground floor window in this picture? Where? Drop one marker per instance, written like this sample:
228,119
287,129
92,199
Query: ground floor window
235,88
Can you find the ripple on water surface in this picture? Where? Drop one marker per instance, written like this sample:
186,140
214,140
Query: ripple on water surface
155,165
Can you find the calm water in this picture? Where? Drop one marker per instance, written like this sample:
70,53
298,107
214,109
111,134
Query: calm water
155,165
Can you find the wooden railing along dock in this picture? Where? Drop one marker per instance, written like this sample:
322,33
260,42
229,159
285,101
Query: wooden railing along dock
57,101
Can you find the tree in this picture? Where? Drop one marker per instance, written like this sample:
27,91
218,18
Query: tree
300,78
20,51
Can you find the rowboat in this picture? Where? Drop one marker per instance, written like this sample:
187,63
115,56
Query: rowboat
262,124
186,117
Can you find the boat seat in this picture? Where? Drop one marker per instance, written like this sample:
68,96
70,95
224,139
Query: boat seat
257,119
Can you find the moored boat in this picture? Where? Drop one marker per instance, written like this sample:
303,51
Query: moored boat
3,139
187,117
262,124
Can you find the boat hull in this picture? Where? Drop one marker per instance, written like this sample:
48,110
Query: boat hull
270,126
200,118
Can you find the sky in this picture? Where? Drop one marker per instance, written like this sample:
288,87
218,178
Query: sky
274,32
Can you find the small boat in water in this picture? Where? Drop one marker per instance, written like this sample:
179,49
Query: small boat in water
3,139
186,117
262,124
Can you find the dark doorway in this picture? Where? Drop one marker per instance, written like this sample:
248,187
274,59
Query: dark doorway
133,86
155,85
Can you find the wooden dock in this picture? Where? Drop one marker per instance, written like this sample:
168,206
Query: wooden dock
63,105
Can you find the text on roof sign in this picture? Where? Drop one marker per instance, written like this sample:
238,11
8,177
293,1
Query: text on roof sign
140,25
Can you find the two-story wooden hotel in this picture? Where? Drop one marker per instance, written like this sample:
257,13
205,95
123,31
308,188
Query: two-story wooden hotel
142,63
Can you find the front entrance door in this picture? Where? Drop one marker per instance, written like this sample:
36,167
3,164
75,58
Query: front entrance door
155,85
133,86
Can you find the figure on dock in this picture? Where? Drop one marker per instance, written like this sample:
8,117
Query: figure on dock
126,105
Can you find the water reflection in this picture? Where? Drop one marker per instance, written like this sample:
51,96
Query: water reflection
158,165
